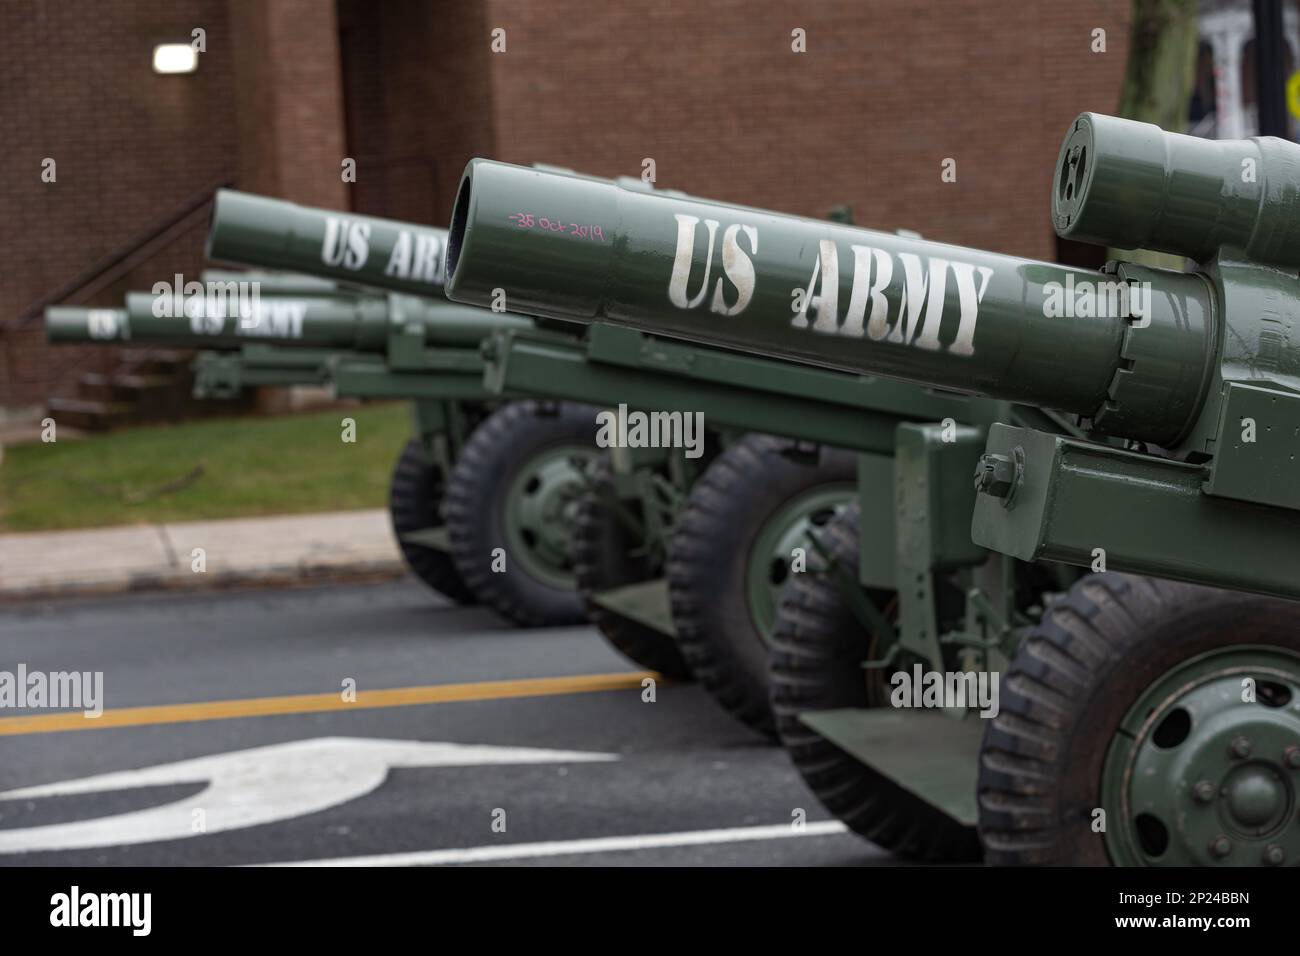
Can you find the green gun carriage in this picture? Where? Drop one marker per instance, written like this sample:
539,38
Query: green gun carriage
1151,716
736,539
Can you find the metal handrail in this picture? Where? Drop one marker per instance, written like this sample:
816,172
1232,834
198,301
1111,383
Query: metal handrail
111,265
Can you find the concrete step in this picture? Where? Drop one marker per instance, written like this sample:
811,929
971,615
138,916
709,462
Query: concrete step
145,361
123,387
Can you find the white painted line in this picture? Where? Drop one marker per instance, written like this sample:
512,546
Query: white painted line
520,851
247,788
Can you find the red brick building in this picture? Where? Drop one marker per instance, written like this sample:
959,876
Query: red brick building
411,89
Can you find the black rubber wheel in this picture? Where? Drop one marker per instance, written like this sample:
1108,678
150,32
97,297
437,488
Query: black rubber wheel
415,503
1069,686
477,502
607,554
709,563
817,655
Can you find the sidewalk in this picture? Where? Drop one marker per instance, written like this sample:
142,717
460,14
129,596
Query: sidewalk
284,549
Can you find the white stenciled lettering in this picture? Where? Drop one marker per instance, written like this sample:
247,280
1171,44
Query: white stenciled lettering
428,259
685,256
346,244
739,268
921,304
399,263
275,318
827,267
921,294
102,323
969,299
908,312
869,286
418,258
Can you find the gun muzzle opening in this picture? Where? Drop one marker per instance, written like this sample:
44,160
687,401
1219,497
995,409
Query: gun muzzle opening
459,218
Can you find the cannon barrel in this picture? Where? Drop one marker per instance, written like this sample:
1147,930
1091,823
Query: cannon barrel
282,283
274,234
71,324
835,295
1134,186
355,322
324,244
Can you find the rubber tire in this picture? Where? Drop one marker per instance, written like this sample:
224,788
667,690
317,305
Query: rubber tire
414,503
708,558
475,507
602,560
818,649
1069,685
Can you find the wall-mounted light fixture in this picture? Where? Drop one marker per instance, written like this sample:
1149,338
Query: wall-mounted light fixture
175,58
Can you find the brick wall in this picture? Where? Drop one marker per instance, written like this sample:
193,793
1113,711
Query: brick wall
712,92
418,102
885,92
129,145
288,95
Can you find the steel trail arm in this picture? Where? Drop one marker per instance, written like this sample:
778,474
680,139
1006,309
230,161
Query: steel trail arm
614,365
227,374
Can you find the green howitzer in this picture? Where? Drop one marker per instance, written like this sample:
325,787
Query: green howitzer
1141,721
303,330
736,393
376,345
363,323
1133,352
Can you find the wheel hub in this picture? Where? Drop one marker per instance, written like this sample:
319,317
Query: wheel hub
1255,798
541,507
770,557
1201,767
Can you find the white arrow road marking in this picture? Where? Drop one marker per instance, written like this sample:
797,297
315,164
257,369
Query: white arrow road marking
519,851
248,788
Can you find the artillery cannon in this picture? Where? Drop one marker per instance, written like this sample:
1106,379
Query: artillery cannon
1144,721
683,556
298,329
727,563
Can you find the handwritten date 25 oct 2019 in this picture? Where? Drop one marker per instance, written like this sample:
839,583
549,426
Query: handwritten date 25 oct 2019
526,220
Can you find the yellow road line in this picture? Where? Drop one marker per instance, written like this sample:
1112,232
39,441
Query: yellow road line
315,703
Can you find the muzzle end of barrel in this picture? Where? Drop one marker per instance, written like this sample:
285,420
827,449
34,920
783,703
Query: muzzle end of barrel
457,233
68,324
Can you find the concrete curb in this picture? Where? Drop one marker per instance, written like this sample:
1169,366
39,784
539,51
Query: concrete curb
281,550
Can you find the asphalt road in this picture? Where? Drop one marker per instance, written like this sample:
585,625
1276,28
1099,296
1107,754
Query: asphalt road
591,776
